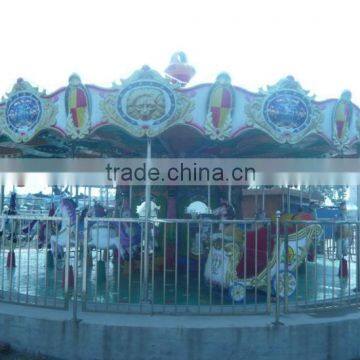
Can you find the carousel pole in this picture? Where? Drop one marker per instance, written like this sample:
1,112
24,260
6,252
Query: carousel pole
90,196
301,196
288,200
2,198
107,197
263,199
84,199
229,194
209,196
130,198
147,216
256,202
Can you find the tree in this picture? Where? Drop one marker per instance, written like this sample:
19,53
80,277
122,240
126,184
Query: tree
336,193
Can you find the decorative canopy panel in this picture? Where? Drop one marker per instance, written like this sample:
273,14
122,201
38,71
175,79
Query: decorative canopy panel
162,107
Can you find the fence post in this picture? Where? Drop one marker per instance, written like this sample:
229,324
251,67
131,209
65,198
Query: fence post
277,259
75,269
268,273
286,273
85,263
357,244
67,263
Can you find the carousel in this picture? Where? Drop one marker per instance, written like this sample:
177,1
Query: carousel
231,239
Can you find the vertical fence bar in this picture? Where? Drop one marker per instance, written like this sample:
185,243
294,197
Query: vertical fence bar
118,272
211,263
297,265
223,265
176,265
277,254
84,265
268,271
286,273
28,268
245,262
333,263
357,244
165,265
67,261
3,220
19,264
256,266
315,247
46,224
187,263
11,257
75,294
325,249
153,268
130,265
107,265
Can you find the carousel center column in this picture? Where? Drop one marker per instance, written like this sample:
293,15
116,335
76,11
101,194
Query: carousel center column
145,294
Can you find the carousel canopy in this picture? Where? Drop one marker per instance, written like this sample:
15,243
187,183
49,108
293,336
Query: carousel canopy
217,119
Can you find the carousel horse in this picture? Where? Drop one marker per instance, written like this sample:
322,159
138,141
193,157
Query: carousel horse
10,226
113,235
153,231
102,234
59,238
199,210
130,236
39,233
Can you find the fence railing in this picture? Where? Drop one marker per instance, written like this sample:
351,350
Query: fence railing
201,266
29,275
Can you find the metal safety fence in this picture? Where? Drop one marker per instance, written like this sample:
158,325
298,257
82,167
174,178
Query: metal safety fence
30,273
179,266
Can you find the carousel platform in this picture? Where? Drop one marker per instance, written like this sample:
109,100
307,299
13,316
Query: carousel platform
32,283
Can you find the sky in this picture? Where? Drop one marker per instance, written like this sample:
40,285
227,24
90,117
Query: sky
256,42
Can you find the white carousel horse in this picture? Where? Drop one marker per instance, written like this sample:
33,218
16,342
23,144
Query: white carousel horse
105,235
66,234
154,209
102,234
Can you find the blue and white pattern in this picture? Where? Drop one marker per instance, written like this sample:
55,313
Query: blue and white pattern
287,111
23,112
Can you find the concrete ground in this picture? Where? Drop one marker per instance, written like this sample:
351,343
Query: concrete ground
325,335
21,356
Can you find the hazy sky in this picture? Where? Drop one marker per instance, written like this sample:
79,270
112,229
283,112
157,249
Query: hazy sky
257,42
